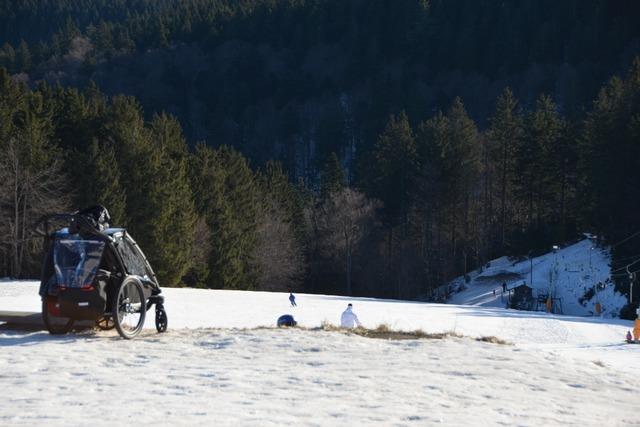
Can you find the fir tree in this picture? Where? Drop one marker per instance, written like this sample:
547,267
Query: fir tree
171,196
12,99
226,197
101,183
395,168
462,155
539,158
504,135
159,204
609,157
7,56
23,57
393,175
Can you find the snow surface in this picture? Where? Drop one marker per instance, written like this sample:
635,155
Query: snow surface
212,368
567,273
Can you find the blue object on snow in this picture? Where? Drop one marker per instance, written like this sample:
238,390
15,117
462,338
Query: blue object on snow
286,320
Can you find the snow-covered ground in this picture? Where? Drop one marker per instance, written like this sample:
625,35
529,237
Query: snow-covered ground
567,273
212,368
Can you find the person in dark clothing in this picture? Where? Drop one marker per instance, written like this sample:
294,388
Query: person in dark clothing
286,320
504,286
292,299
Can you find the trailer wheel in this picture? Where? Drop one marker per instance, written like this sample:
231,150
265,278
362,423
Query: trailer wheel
161,319
129,308
55,324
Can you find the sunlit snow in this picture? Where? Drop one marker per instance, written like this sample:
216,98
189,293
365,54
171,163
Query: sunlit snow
213,368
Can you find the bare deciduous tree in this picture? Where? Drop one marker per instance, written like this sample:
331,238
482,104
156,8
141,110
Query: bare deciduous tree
343,219
26,193
200,252
278,256
201,248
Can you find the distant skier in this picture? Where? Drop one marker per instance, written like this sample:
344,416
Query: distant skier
292,299
349,318
629,337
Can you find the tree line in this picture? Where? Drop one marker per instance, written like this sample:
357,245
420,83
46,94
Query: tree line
433,197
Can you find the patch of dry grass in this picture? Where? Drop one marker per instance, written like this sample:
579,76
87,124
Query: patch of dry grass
383,331
493,340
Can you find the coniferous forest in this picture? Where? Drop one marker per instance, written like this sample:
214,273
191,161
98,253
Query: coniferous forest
365,147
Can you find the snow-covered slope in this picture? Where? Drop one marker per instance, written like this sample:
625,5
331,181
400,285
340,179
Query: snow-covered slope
208,369
206,308
567,273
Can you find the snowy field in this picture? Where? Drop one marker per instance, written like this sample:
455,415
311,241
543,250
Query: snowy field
213,368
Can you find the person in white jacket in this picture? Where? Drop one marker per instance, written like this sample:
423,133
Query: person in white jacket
349,318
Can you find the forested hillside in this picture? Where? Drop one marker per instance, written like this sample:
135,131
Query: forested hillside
296,80
368,147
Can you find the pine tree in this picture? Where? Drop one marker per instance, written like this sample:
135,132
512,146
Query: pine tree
446,220
159,204
122,40
12,99
122,127
23,57
171,196
463,164
207,182
609,157
395,168
40,53
240,194
609,170
543,132
504,136
160,35
431,194
101,183
7,56
393,177
274,186
226,197
74,124
103,38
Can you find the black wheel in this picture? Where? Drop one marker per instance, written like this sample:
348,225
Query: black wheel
106,323
55,324
129,308
161,319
